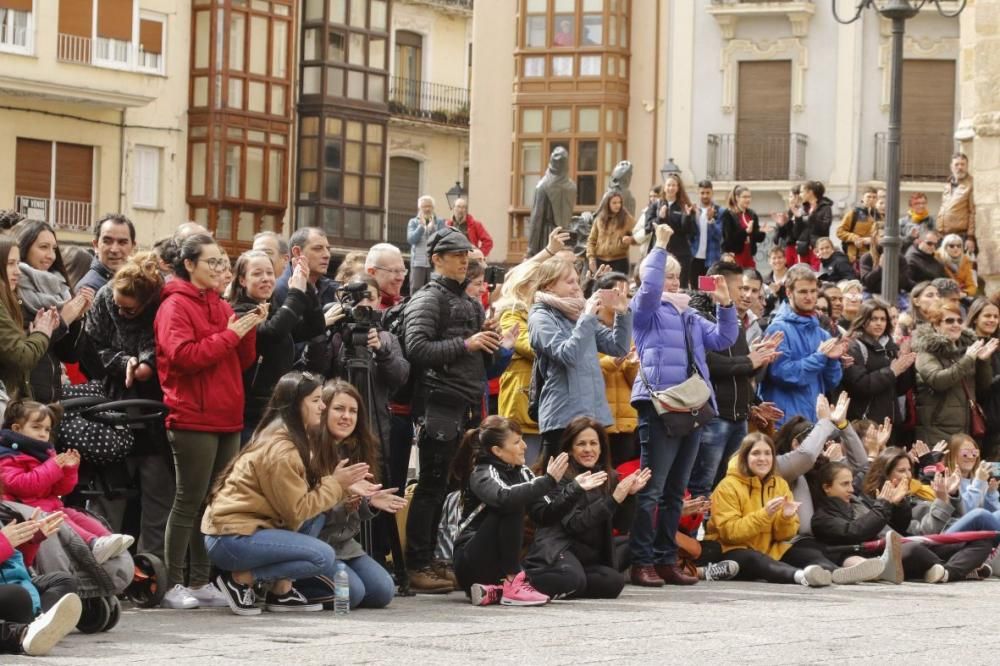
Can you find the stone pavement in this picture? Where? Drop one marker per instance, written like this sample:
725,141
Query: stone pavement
715,623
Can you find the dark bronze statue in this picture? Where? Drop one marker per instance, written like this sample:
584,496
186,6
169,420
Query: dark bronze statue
555,196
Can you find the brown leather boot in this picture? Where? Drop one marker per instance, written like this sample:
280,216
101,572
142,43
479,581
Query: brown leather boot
644,575
446,571
427,581
674,575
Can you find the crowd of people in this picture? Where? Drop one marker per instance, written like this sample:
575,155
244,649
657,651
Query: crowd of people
580,423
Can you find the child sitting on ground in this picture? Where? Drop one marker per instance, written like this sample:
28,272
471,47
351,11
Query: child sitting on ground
34,474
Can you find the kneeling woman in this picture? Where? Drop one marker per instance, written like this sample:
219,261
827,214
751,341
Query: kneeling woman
265,511
573,554
495,496
754,517
348,435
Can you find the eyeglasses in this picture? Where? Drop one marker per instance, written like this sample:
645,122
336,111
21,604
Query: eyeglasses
401,272
217,263
951,320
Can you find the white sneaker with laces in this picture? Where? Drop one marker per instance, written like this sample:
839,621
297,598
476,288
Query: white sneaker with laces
106,547
208,596
50,627
179,598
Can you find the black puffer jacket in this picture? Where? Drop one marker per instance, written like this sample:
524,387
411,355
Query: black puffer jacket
436,322
922,267
835,268
871,383
839,523
731,371
112,340
817,225
871,275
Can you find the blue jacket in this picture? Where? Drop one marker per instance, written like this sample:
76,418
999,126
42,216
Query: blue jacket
417,235
659,332
713,249
574,384
976,494
14,572
800,373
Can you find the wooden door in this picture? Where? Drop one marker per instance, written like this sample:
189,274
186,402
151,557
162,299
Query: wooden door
763,116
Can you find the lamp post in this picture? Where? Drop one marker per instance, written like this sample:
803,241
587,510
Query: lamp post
897,11
669,168
454,194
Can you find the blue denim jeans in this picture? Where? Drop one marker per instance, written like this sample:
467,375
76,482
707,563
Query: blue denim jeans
975,521
371,585
658,509
275,554
720,439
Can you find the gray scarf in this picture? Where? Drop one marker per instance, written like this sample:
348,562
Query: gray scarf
41,289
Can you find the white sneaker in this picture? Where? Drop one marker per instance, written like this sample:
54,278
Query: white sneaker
179,598
208,596
50,627
106,547
816,576
936,574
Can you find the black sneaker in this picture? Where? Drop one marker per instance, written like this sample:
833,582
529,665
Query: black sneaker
290,602
240,597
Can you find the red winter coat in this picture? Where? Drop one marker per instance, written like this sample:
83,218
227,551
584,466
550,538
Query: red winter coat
200,362
477,233
30,481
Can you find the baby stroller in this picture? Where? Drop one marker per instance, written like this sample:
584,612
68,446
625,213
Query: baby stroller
105,433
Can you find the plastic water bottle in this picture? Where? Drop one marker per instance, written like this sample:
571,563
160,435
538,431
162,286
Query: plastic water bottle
341,591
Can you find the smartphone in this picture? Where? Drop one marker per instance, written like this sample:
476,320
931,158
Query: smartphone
605,295
706,283
994,470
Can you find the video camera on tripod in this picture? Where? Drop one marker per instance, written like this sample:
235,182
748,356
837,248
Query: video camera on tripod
358,319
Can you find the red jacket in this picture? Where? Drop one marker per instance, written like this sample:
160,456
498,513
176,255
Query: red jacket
477,233
30,481
200,362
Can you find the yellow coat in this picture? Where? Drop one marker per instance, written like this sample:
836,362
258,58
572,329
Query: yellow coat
618,381
964,276
516,379
739,519
848,236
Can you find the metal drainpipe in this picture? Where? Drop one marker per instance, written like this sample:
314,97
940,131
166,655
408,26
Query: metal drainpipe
121,163
656,94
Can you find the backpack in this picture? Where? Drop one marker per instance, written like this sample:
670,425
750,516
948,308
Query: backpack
539,371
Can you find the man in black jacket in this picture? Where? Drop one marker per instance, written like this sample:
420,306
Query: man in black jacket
921,262
732,373
449,352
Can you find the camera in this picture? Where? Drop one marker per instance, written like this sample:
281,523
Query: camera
358,319
494,275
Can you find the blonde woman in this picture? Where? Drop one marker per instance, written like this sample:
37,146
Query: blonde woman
957,264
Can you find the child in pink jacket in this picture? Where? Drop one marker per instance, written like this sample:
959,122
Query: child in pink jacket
34,474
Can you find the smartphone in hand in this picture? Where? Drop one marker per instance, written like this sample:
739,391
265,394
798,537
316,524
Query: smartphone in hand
706,283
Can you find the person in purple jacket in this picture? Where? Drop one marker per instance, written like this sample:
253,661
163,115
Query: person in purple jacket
662,322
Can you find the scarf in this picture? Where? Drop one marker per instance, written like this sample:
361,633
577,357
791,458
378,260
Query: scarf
918,217
570,307
677,299
14,443
41,289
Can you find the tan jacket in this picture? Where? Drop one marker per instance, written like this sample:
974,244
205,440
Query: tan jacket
958,209
609,244
851,230
267,489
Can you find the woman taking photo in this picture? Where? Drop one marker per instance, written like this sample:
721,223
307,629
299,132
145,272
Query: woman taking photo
44,284
976,488
20,351
957,265
202,349
951,366
741,228
983,319
573,554
567,335
611,235
675,210
881,372
664,325
495,497
347,436
264,515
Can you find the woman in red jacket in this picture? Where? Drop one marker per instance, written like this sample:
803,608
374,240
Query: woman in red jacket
202,349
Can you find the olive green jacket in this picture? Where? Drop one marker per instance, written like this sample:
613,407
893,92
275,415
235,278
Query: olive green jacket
19,353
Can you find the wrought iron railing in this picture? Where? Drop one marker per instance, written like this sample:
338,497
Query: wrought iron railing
434,102
757,156
396,228
921,156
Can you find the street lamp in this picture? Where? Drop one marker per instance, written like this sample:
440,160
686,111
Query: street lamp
669,168
455,193
897,11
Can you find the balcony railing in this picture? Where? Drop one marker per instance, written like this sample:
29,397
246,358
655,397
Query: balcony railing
433,102
69,214
110,53
923,157
397,221
757,157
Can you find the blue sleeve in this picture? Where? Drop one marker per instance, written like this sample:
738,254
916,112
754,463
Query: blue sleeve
721,335
796,371
503,357
618,340
548,339
414,231
833,373
647,299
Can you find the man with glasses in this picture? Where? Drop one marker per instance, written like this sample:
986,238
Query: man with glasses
917,220
418,230
385,263
921,263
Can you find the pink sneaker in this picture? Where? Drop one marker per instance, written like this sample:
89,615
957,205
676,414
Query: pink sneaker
519,592
485,595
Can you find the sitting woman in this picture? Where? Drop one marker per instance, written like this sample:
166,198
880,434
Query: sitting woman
34,474
265,512
754,518
918,516
573,554
495,497
348,435
977,489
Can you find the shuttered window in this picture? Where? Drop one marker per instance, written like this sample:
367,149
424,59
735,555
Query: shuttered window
763,117
74,171
33,168
114,19
16,5
146,176
404,184
76,17
928,121
151,36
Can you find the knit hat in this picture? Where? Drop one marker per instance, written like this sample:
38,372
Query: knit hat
448,239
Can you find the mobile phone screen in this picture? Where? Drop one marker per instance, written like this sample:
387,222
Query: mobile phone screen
706,283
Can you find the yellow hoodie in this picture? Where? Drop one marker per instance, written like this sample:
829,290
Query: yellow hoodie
739,519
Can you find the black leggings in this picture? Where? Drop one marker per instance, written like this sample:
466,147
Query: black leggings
755,565
958,558
493,552
569,578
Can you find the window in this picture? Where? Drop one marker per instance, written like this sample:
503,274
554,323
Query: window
151,32
16,26
146,177
122,37
54,182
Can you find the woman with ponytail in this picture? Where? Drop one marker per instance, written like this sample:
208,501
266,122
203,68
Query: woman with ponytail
496,493
741,228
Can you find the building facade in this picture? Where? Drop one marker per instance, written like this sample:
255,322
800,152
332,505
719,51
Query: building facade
765,94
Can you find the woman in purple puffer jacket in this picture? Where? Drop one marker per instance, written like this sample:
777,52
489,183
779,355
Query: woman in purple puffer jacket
661,316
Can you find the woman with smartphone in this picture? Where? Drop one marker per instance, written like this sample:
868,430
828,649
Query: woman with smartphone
202,349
